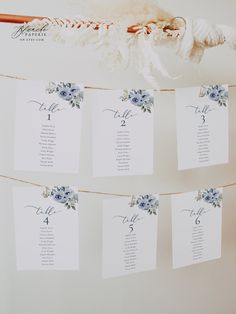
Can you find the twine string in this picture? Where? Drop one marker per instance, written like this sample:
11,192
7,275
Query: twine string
96,87
104,193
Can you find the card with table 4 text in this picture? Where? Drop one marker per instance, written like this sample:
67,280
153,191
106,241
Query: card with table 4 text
122,132
46,228
196,227
48,126
202,126
129,235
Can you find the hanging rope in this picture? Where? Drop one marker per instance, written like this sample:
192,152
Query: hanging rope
105,193
200,35
97,88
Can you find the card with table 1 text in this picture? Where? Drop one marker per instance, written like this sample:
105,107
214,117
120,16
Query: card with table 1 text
48,126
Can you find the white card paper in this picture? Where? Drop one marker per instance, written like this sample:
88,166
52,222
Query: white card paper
122,132
46,228
129,235
196,227
48,126
202,126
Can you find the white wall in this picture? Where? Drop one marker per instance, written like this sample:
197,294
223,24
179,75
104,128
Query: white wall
206,288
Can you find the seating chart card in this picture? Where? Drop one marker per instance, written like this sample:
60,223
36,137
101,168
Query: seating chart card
122,132
202,126
46,228
48,126
129,235
196,227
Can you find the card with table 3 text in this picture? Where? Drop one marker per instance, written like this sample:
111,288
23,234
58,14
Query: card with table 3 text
202,126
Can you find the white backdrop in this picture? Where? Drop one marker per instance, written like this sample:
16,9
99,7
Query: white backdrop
205,288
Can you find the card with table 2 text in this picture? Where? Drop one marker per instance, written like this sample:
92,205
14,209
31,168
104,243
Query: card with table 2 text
122,132
46,228
48,126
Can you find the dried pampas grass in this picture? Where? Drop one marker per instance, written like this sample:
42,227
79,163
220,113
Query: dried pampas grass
137,11
139,50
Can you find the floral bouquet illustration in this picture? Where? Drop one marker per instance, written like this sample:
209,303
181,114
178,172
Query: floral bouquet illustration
216,93
210,196
62,194
68,92
148,203
140,98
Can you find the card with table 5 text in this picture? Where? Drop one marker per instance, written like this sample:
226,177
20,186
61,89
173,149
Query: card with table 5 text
129,235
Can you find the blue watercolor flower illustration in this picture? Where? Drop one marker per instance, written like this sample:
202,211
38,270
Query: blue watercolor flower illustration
148,203
216,93
140,98
68,92
65,93
62,194
210,196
